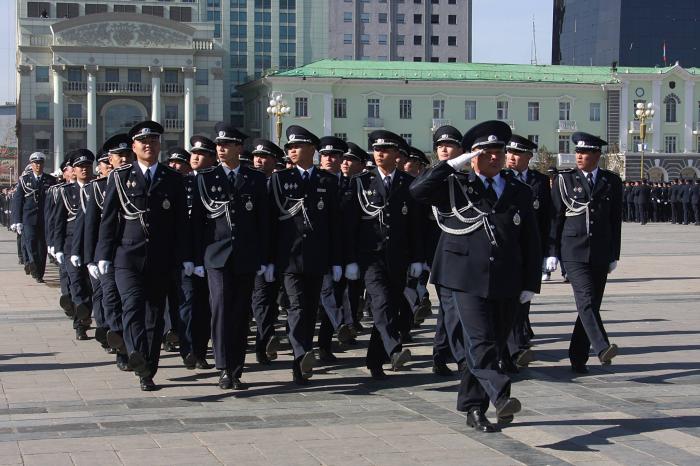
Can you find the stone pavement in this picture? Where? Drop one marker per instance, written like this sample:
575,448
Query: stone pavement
64,401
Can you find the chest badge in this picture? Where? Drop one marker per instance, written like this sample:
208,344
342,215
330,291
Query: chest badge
470,190
320,205
516,219
213,189
536,204
218,188
578,189
249,205
404,209
166,204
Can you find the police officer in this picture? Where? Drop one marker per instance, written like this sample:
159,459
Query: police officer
179,160
68,205
585,234
305,235
685,200
64,301
643,201
383,234
141,236
28,214
695,200
231,240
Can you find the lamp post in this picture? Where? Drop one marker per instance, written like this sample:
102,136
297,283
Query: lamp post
278,108
642,114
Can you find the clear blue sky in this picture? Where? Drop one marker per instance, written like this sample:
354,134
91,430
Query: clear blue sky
502,33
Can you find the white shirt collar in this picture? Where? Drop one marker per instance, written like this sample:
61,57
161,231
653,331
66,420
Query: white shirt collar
595,174
310,170
392,175
499,184
228,170
152,168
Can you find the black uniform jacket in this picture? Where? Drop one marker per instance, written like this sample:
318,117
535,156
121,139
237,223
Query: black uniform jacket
541,203
28,200
94,199
66,212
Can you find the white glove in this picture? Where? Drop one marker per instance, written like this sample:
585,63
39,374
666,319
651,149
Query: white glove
415,269
337,273
352,271
270,273
460,162
199,271
262,270
18,228
612,266
526,296
50,249
551,264
75,260
59,257
13,227
93,271
188,268
103,266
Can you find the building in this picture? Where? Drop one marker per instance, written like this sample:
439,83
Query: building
88,70
8,144
420,30
628,32
546,103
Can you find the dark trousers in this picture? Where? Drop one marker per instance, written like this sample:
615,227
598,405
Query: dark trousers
333,315
588,282
303,291
696,213
34,244
265,310
143,308
64,279
519,336
643,214
194,316
352,299
687,213
20,250
631,212
229,297
111,302
656,211
98,310
480,318
173,295
385,288
80,289
448,345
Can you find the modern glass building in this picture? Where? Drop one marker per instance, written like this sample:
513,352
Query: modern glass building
628,32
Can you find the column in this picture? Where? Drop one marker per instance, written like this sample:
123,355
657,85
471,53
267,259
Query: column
57,116
189,104
657,135
327,113
155,92
92,107
688,116
624,115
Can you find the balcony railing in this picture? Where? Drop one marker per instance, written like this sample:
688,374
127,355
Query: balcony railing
123,88
171,88
439,122
374,123
41,40
203,44
634,127
173,124
566,160
566,126
74,123
74,86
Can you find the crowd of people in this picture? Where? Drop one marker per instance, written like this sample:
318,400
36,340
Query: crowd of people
676,201
178,255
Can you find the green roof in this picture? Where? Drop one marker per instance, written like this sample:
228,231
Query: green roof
430,71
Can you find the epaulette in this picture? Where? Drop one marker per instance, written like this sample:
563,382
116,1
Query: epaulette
566,170
206,170
124,167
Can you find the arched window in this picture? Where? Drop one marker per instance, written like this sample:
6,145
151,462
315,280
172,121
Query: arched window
120,116
671,101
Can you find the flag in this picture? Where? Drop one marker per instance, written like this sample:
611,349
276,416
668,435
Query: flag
664,53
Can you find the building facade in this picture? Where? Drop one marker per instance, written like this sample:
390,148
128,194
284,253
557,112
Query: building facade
421,30
628,32
545,103
86,75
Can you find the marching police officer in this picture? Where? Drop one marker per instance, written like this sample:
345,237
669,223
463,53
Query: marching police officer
383,235
64,301
585,233
141,236
643,201
305,236
28,214
487,258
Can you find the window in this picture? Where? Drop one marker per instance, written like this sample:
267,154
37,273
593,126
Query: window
670,144
502,110
93,8
169,76
301,106
288,4
565,110
434,19
564,141
470,109
171,112
451,19
112,75
382,18
382,58
41,74
698,111
343,136
434,40
451,2
400,18
671,101
152,10
594,114
434,59
134,75
42,145
340,108
435,2
636,143
74,74
202,112
534,138
67,10
364,38
42,110
533,111
38,9
75,110
417,19
201,77
381,39
405,106
372,108
408,137
347,38
451,59
125,8
262,4
364,17
400,39
417,40
417,58
452,41
438,108
347,17
181,13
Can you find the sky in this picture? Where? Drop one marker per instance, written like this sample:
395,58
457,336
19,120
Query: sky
496,37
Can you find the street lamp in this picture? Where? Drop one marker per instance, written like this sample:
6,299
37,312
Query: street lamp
642,114
278,108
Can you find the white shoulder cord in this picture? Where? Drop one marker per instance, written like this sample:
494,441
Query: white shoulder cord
371,210
215,208
574,208
297,206
83,198
71,211
99,196
130,211
28,190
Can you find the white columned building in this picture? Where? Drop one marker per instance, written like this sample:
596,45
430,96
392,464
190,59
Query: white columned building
58,112
155,93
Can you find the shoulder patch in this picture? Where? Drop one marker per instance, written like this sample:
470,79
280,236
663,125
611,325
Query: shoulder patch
124,167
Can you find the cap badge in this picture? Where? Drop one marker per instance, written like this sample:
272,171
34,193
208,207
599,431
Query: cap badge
122,145
404,209
166,204
249,205
536,204
492,138
145,130
516,219
259,147
329,147
581,143
222,134
444,136
198,144
320,205
380,141
292,137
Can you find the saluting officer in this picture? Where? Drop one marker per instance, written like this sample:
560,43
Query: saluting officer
585,233
141,235
67,207
383,239
28,214
305,235
519,152
487,258
231,240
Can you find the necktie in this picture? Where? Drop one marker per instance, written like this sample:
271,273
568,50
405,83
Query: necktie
305,180
490,191
387,184
148,179
590,180
522,177
231,178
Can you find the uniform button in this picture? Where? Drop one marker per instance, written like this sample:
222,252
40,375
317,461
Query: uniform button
590,234
387,237
387,204
493,211
592,210
388,226
148,224
233,225
148,209
147,240
233,211
491,259
387,214
303,235
591,222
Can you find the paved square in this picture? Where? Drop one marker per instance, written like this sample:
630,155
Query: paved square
65,402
